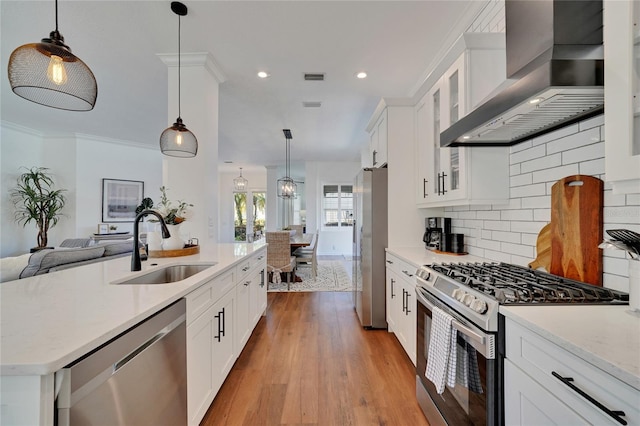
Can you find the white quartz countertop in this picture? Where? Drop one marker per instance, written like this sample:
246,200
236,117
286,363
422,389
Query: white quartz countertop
48,321
607,337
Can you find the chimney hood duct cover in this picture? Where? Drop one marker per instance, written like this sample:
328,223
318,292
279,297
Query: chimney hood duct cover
555,75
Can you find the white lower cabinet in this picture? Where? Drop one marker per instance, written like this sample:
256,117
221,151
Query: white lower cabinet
401,303
221,316
546,384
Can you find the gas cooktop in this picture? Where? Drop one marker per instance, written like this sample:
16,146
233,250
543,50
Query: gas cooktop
476,290
513,284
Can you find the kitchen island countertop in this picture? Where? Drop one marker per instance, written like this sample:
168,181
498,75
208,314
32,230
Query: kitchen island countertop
50,320
606,336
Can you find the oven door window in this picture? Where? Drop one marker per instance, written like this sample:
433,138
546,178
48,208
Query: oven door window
465,403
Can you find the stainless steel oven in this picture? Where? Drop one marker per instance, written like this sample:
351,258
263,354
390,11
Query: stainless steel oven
469,296
473,399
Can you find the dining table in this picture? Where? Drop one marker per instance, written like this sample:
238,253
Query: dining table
298,240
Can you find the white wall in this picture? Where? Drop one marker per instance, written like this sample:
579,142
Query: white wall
509,232
78,164
330,241
257,182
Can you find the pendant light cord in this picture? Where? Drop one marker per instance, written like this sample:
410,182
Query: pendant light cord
179,76
56,16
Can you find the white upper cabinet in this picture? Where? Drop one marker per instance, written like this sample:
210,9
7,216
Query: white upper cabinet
378,141
622,95
456,176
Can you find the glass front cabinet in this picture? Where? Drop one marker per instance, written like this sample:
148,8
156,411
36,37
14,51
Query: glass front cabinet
622,95
460,175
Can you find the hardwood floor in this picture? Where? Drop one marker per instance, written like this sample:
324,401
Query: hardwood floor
310,362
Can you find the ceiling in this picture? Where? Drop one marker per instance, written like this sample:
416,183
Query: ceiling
395,42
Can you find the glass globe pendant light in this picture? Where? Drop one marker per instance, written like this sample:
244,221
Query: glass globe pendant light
240,183
177,140
287,188
48,74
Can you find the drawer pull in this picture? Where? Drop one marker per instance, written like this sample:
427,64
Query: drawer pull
614,414
407,273
390,262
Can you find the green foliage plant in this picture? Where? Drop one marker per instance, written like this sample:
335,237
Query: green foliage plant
36,200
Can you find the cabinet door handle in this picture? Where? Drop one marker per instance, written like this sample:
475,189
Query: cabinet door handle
262,278
442,189
404,301
224,322
218,317
374,157
392,289
612,413
424,188
407,311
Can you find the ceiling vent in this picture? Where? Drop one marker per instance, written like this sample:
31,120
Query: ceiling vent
309,76
313,104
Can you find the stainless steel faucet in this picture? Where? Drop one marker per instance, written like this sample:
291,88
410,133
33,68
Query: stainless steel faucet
136,264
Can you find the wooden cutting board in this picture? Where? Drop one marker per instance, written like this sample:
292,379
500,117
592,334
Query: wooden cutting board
576,228
543,249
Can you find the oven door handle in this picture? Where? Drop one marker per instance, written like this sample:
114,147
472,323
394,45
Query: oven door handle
463,329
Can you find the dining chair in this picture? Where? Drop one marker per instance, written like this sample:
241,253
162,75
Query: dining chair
279,258
298,228
306,256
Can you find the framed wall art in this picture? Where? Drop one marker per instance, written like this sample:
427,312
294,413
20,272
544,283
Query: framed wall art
120,199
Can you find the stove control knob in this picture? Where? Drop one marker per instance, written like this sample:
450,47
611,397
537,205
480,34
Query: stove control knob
458,294
480,306
468,299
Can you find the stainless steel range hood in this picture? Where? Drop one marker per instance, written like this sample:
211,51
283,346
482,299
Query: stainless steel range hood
555,74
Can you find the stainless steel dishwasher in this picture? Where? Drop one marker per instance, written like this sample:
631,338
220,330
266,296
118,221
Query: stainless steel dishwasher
138,378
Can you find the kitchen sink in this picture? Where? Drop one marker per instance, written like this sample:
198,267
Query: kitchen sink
167,274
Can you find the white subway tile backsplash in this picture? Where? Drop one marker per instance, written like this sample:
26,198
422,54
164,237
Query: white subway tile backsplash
555,173
592,168
522,261
527,154
514,169
557,134
488,244
490,214
627,214
528,227
516,215
616,266
472,224
547,162
528,191
542,215
496,225
467,215
633,199
529,239
520,180
585,153
543,201
615,282
521,146
575,140
507,237
614,200
498,256
517,249
598,120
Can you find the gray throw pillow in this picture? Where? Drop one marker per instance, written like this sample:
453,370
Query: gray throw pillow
41,261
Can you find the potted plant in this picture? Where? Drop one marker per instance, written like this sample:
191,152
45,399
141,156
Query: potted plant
36,199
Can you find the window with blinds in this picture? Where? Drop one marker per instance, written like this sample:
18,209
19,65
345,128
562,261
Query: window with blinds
337,205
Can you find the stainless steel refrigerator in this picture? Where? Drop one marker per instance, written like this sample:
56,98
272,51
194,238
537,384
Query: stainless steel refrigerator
369,243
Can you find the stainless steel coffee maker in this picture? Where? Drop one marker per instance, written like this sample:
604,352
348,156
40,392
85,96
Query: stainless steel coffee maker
436,228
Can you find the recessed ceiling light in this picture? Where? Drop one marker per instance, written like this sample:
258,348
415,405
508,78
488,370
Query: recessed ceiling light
361,75
465,137
263,74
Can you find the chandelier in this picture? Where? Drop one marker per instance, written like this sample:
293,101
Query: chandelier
287,188
240,183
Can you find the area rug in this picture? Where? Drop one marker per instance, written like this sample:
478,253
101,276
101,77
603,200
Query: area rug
332,276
